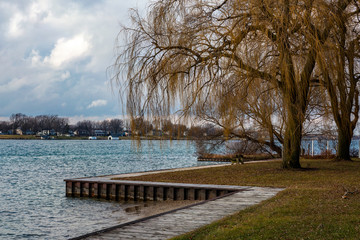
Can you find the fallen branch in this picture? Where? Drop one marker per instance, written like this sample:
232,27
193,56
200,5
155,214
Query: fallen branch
347,193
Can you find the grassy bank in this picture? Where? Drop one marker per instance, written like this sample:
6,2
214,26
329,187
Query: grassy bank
22,137
313,205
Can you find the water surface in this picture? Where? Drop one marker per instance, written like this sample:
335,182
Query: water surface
33,203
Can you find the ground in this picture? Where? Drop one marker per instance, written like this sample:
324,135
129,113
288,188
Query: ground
313,206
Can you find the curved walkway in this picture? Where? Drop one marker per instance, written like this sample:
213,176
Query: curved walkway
183,220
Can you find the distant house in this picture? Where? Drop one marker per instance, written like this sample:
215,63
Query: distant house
82,133
45,132
126,133
155,132
99,132
18,131
51,132
29,132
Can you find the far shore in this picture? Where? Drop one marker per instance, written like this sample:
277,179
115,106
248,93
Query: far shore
34,137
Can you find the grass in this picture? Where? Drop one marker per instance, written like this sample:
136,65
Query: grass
311,207
23,137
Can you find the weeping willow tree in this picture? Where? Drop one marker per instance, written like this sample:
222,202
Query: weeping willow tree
339,62
185,51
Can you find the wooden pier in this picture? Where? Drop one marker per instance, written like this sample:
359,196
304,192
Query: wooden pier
215,159
117,190
218,201
183,220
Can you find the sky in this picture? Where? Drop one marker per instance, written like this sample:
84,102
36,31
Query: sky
54,56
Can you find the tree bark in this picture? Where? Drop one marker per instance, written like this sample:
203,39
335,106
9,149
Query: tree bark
292,140
344,141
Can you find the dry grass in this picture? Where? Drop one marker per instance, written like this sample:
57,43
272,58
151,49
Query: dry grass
25,137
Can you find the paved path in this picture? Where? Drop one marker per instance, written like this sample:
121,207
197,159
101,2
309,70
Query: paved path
174,223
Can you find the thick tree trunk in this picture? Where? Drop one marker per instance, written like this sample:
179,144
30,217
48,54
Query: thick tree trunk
344,141
292,143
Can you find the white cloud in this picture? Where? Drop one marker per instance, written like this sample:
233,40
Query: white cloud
67,50
35,58
15,25
24,20
54,55
14,85
97,103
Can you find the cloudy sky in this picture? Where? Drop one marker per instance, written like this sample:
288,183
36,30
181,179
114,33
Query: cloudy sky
54,55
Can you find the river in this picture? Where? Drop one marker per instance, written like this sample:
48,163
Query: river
33,203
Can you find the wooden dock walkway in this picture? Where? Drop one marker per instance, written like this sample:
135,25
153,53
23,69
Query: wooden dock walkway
183,220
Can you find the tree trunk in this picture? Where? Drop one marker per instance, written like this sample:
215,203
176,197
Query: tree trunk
344,141
292,143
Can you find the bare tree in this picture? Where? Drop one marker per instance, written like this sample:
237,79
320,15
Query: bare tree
85,127
116,126
186,49
339,61
17,121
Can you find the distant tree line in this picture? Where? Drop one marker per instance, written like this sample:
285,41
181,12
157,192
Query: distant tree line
22,124
30,125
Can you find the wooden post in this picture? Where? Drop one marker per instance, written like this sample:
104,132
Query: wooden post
191,194
103,190
122,192
150,193
201,194
179,194
84,191
159,193
212,194
112,192
76,193
69,192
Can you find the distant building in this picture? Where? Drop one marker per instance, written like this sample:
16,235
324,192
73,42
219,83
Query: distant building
82,133
51,132
126,133
154,132
45,132
99,132
18,131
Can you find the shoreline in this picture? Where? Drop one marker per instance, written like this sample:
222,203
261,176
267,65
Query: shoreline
34,137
